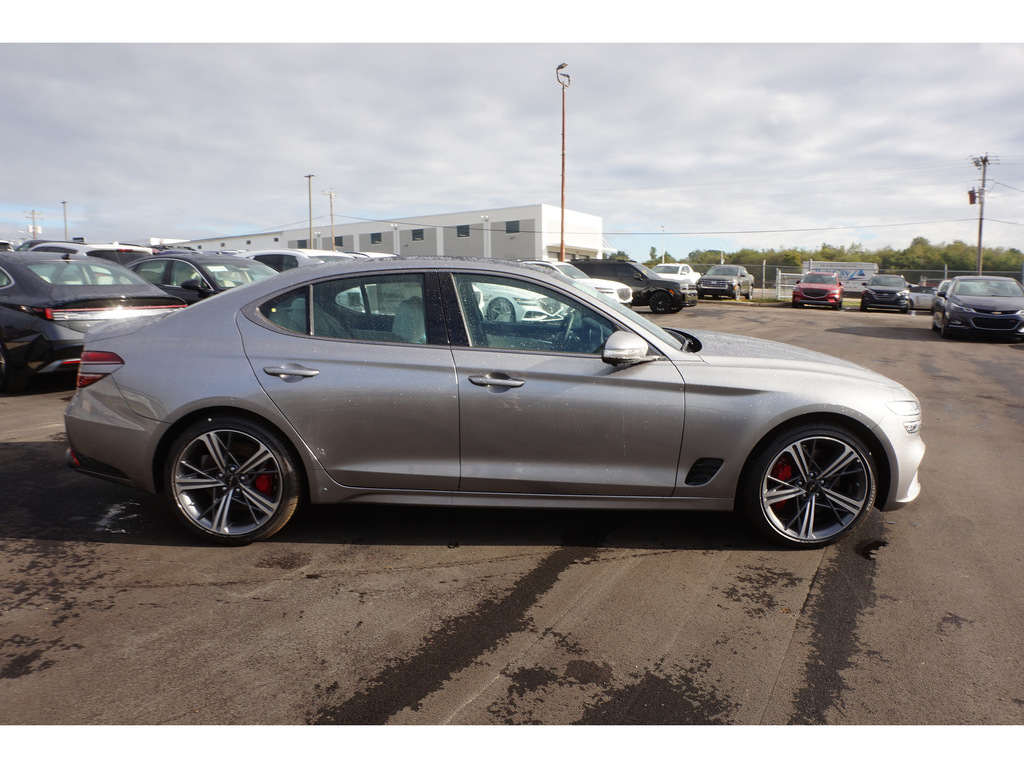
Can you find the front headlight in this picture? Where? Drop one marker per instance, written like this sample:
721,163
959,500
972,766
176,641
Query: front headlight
904,294
910,411
954,304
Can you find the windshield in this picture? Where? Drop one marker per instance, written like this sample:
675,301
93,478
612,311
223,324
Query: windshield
232,274
84,273
570,271
723,270
888,281
668,269
989,288
820,279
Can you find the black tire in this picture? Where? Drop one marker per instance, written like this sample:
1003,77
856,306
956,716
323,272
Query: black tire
944,331
809,486
796,305
501,310
863,307
11,380
232,480
839,306
660,302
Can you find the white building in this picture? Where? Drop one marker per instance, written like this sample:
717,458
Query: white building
524,232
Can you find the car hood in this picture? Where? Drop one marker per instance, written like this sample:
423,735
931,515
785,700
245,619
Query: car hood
816,285
730,350
1008,304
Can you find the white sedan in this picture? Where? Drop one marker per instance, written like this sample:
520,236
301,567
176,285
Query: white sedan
619,291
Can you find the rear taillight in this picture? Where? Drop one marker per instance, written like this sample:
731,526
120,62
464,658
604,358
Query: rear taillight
96,365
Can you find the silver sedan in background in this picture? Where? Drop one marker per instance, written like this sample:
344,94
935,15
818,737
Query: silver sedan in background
383,381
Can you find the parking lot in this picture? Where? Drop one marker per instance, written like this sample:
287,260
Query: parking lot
112,613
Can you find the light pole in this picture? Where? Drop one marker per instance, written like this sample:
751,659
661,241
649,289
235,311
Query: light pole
563,80
309,179
332,194
65,204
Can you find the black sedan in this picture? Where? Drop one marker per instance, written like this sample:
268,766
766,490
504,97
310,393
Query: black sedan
192,277
47,302
980,306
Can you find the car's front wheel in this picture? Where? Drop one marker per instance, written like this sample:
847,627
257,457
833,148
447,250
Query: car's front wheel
809,486
232,480
660,302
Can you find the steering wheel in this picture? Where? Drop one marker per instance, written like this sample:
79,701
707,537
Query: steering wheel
565,329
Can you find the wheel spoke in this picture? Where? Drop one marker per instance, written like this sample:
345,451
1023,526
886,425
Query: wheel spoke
216,450
257,502
220,521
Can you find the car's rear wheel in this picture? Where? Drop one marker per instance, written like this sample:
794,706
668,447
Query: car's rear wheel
660,302
11,380
809,486
232,480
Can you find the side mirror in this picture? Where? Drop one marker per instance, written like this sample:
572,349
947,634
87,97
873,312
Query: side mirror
941,294
625,348
193,285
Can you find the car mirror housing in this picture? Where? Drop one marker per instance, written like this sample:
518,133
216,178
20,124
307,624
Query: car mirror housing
625,348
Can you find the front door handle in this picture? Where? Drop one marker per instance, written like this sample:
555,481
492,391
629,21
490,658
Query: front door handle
290,371
495,380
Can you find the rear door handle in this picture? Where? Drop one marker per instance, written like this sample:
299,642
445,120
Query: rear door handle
290,370
495,380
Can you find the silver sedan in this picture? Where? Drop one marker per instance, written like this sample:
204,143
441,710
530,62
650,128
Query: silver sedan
382,381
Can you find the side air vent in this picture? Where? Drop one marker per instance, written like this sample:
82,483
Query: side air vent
703,470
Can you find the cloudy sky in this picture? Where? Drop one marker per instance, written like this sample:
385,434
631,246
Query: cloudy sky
678,145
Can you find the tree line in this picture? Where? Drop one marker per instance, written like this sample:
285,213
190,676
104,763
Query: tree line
920,256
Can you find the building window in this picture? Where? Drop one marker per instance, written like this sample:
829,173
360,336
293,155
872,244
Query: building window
462,230
248,242
417,234
302,244
276,239
511,227
339,241
376,238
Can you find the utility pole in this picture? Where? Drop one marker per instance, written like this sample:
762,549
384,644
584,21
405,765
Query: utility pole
34,230
979,197
309,180
332,194
65,204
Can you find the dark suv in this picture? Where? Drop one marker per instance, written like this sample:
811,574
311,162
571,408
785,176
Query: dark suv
729,280
885,292
649,289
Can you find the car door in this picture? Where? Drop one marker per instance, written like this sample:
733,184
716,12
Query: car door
541,413
361,368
